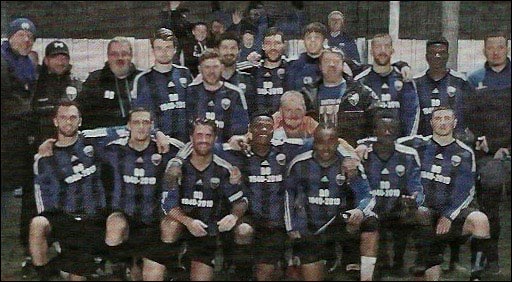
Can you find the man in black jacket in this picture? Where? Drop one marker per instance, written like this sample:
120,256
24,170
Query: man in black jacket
105,99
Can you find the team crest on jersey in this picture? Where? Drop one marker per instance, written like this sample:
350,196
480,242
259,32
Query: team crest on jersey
156,159
307,80
400,170
280,73
340,179
451,91
398,85
71,92
456,160
225,103
183,82
214,182
353,99
89,151
281,159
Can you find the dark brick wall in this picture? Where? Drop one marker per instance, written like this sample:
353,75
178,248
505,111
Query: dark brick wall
99,19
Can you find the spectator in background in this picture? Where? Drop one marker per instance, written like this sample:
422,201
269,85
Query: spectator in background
256,23
339,38
290,21
496,72
55,83
105,99
247,46
175,18
217,27
18,78
194,47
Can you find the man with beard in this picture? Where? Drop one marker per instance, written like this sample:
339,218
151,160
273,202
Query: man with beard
105,99
161,89
305,69
448,171
138,172
70,199
228,49
339,100
55,83
318,209
208,201
394,93
440,86
491,100
217,100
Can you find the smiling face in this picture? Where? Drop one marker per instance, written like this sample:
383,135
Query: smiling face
211,70
325,144
67,120
22,41
382,49
274,47
203,139
119,58
140,125
437,56
57,64
228,51
262,130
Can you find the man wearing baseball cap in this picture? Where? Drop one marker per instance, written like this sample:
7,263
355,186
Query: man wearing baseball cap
18,78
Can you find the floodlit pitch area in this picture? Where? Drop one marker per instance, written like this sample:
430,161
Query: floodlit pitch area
12,253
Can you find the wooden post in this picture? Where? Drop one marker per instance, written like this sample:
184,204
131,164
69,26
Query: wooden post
450,24
394,19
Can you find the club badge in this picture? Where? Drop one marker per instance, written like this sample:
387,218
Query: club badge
307,80
400,170
71,92
353,99
399,85
280,73
225,103
281,159
183,82
156,159
340,179
89,151
456,160
214,182
451,91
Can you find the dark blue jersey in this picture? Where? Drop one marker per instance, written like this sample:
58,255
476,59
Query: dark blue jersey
227,106
346,43
270,86
305,70
447,174
204,195
446,92
322,192
395,95
164,94
137,178
390,179
487,78
69,180
246,83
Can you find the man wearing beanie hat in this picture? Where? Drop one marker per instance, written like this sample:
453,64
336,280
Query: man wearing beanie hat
18,78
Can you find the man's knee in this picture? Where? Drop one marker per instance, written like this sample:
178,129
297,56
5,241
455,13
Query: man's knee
170,230
39,225
244,234
478,221
117,229
152,271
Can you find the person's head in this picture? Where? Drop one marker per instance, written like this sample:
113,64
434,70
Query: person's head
34,57
314,36
210,67
496,49
203,136
228,48
387,129
325,142
256,11
67,118
293,109
164,44
382,49
437,53
217,27
56,57
119,53
140,124
443,121
273,44
262,128
248,38
21,34
200,31
336,21
331,64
